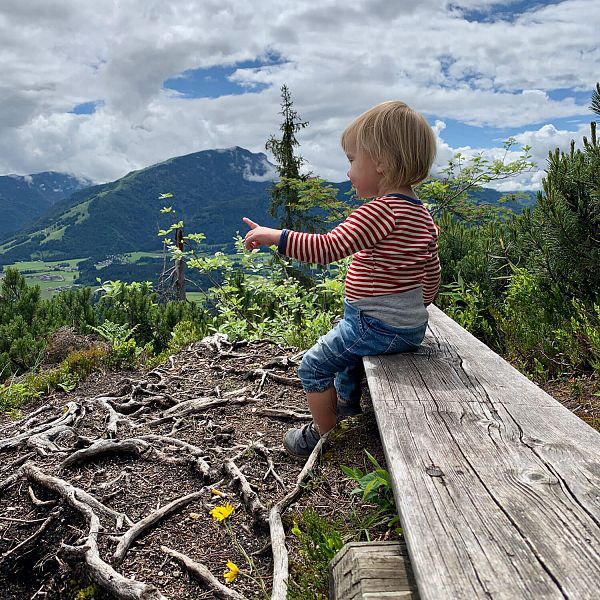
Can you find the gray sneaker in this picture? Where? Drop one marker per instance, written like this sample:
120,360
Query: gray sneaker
302,441
346,410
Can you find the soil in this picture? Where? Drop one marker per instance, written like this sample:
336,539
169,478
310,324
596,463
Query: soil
242,381
247,379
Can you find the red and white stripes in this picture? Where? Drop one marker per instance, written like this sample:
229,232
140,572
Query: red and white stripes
393,242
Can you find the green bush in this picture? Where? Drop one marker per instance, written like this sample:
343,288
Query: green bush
579,337
471,308
318,542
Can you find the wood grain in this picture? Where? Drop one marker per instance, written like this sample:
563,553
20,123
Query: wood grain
497,484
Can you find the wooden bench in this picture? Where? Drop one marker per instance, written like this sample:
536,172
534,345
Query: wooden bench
496,483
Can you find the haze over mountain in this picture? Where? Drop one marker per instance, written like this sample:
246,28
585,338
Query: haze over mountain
24,198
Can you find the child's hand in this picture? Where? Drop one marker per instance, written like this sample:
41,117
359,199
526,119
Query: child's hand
258,235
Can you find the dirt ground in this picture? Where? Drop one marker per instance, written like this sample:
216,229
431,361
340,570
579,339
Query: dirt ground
227,392
187,422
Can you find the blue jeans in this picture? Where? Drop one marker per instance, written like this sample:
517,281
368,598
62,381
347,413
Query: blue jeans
336,359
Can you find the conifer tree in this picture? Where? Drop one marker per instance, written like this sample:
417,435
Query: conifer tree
565,226
299,201
595,106
284,195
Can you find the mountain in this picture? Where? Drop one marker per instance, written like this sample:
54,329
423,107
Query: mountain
515,201
212,190
24,198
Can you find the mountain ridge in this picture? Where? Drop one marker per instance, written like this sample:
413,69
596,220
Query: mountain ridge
24,198
212,190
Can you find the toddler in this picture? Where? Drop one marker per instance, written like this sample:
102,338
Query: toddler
395,269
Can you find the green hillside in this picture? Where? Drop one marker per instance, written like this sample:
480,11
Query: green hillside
24,198
212,191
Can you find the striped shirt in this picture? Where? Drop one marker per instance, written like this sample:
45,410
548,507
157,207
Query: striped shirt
393,243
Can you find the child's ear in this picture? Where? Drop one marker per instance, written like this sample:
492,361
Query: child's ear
380,168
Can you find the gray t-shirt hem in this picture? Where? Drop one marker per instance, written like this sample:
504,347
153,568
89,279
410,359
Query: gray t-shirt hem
405,309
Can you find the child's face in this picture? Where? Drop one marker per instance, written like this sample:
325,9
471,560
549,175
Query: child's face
364,173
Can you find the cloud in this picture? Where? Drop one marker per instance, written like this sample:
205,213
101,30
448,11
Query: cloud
338,59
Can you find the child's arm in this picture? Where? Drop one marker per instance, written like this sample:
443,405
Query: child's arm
433,274
258,235
366,226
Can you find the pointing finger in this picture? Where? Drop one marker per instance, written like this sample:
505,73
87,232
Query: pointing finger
250,223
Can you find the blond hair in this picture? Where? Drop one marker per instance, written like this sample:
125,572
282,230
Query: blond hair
397,138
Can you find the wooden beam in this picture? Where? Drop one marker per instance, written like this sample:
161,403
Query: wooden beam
497,484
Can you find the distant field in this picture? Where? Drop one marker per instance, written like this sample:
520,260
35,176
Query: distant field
135,256
195,296
54,276
50,276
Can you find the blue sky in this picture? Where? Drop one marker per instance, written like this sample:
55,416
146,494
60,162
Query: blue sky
100,89
212,82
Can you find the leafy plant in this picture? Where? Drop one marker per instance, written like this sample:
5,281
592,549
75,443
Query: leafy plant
451,193
318,542
375,487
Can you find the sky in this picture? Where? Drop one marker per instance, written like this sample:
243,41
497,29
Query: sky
99,89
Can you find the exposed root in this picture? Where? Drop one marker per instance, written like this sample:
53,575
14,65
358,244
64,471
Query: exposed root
201,572
293,381
98,570
282,413
191,407
280,554
141,526
49,520
69,418
102,448
39,502
87,463
267,456
194,455
257,509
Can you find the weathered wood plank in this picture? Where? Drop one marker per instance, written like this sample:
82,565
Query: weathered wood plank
497,484
372,571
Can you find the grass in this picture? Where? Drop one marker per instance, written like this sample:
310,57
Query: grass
53,233
135,256
35,272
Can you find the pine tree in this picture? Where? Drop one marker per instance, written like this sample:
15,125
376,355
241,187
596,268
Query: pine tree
284,195
595,106
566,223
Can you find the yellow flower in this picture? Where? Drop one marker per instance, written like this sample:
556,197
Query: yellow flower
220,513
230,575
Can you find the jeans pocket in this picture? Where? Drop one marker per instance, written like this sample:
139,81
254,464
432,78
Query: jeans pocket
408,341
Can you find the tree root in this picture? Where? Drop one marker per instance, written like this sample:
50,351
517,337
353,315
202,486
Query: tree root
49,520
257,509
282,413
140,447
192,407
262,450
293,381
99,571
141,526
201,572
69,418
280,553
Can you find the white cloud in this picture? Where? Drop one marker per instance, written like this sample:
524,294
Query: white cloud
340,59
